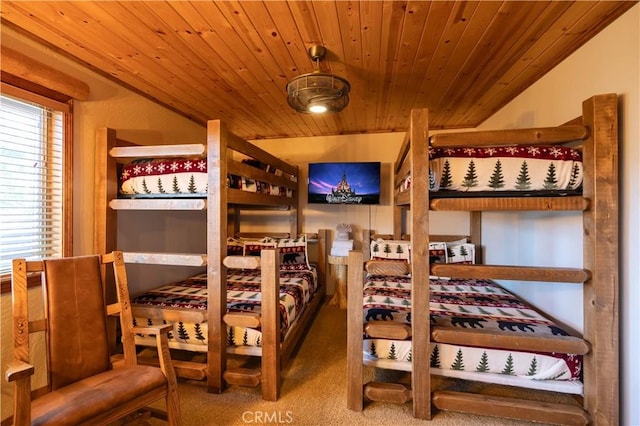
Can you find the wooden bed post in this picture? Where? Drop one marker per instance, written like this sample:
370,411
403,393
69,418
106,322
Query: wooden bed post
233,221
323,238
367,234
271,360
475,232
600,158
105,219
296,214
420,374
397,222
355,399
106,189
216,252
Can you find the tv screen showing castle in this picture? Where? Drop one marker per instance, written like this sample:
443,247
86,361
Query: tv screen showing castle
344,183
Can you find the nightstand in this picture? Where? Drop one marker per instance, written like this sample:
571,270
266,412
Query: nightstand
339,264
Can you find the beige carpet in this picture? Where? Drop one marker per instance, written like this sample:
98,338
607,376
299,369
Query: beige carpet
313,392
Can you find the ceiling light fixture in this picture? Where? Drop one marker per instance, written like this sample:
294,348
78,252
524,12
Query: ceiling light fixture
317,92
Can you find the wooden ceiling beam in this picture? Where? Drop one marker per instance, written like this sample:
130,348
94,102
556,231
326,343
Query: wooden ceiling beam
23,67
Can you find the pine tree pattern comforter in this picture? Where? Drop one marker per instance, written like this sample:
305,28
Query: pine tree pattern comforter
504,170
183,177
243,295
469,304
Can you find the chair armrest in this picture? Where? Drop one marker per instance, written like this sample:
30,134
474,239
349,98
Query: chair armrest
161,333
17,370
152,329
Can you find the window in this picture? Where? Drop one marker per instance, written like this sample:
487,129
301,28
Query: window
33,179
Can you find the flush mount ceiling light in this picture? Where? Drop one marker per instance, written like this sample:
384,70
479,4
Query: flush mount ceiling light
317,92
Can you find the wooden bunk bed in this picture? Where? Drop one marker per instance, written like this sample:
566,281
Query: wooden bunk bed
227,158
596,135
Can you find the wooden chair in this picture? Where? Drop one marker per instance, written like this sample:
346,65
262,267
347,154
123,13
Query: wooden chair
82,386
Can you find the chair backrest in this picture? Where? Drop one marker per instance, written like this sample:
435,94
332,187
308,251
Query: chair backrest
75,316
78,345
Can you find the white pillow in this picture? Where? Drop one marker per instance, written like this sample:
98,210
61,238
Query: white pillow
396,250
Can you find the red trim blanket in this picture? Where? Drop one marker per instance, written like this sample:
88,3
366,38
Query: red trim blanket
183,177
505,170
297,287
469,304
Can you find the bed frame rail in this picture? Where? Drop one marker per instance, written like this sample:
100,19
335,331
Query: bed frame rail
519,409
533,136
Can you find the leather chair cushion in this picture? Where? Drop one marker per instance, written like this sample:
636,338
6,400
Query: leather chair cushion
77,321
81,401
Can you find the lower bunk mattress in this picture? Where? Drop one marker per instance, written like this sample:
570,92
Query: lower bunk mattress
184,304
469,304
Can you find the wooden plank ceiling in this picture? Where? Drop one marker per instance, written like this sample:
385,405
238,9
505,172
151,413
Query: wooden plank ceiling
232,59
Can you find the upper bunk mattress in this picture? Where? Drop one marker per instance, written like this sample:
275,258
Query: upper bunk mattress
504,171
183,177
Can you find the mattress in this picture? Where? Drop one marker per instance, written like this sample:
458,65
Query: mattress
503,171
469,304
297,288
183,177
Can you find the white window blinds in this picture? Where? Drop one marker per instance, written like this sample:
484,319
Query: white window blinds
31,179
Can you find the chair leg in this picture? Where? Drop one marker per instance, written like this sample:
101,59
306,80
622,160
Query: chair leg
174,416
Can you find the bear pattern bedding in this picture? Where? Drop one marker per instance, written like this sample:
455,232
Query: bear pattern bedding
297,287
469,304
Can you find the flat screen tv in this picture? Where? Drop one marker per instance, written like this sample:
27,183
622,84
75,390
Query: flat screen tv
344,183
